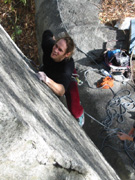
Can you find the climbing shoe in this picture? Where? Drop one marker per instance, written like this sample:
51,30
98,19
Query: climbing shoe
81,120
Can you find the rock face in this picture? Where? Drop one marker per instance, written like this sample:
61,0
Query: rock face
81,21
39,138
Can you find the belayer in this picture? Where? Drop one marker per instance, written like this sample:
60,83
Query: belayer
56,72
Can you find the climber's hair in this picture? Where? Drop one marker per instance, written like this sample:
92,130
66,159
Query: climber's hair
70,44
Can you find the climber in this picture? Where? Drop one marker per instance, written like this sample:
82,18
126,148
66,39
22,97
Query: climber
123,136
57,69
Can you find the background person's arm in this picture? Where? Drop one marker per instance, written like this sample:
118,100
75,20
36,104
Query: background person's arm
131,132
123,136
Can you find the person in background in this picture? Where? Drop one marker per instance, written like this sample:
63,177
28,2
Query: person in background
57,70
130,136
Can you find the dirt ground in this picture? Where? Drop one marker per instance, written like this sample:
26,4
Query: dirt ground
18,19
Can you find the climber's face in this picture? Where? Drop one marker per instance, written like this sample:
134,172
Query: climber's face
59,51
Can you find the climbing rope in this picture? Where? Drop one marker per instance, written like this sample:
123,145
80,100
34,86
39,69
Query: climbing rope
86,79
87,55
129,148
118,106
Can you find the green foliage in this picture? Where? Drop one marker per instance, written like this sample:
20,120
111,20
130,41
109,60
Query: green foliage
16,33
10,1
24,2
7,1
16,28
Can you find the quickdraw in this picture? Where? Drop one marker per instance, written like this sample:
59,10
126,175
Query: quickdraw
76,78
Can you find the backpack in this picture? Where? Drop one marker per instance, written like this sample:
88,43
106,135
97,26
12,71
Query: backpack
117,57
118,61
